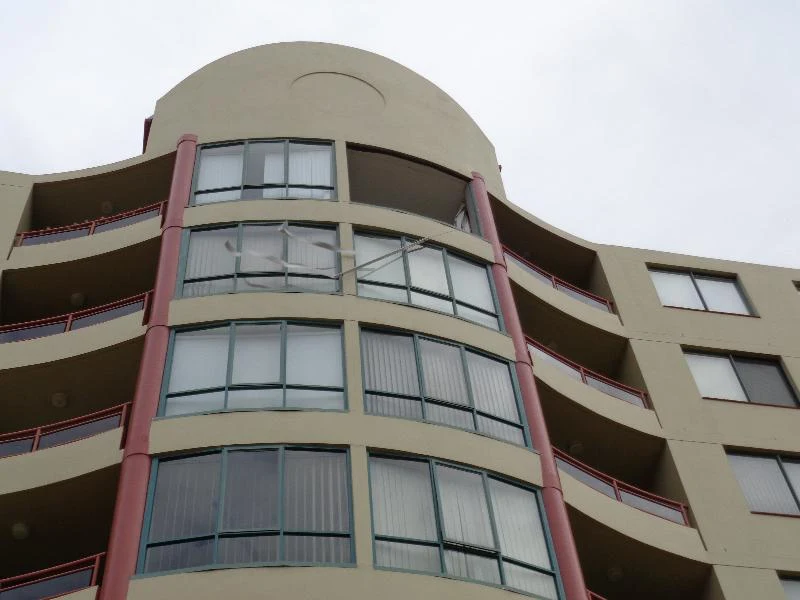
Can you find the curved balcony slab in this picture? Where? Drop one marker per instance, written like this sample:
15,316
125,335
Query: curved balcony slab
59,463
608,322
84,247
72,343
631,522
335,307
191,432
316,583
619,411
359,215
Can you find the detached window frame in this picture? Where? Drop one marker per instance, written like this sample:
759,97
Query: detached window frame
694,277
214,490
248,189
222,392
429,403
742,382
229,282
789,495
407,293
444,546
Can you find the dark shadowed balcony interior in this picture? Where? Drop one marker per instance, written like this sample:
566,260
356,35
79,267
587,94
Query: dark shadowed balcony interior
550,252
615,451
620,568
392,181
56,392
592,348
61,203
60,288
61,522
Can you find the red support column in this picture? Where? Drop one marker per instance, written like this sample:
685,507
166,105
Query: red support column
126,527
563,542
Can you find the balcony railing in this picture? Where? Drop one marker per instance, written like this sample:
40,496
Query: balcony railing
16,332
558,283
53,581
67,232
47,436
593,596
623,492
599,382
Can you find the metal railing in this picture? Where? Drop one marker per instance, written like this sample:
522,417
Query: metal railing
623,492
593,596
53,581
68,232
591,378
64,432
562,286
16,332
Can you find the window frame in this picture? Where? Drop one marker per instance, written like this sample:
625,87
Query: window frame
441,543
423,399
693,275
410,288
230,324
732,361
285,186
224,451
183,261
795,493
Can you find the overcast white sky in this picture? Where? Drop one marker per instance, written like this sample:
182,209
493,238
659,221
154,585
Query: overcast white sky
666,124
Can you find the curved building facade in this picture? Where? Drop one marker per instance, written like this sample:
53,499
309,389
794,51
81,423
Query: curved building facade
305,347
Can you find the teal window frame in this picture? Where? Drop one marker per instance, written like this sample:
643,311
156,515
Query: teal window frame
282,531
411,289
165,395
237,272
522,425
442,544
244,188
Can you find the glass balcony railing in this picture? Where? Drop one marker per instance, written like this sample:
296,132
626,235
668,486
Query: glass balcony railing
53,581
539,352
65,432
623,492
68,232
559,284
17,332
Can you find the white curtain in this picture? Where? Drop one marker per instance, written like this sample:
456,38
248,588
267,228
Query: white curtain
443,372
426,267
763,484
302,250
251,491
208,255
470,283
722,295
715,377
519,524
491,386
259,242
676,289
315,491
791,588
257,354
402,500
309,164
220,167
388,270
314,356
199,359
465,513
389,363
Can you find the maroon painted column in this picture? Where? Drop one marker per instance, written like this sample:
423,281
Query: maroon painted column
126,527
563,542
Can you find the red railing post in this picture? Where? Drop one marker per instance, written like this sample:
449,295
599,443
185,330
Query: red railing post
126,526
555,508
37,437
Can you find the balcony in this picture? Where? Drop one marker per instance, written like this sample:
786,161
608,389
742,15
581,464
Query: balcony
382,178
82,206
54,581
593,596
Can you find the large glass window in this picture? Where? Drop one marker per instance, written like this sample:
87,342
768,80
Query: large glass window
402,270
791,588
739,378
245,506
255,366
699,292
771,484
433,517
265,169
255,257
411,376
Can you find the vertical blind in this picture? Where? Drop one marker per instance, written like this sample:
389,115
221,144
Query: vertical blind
770,484
699,292
255,366
467,524
249,505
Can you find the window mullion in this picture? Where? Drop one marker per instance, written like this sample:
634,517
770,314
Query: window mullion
437,506
283,350
220,504
697,289
281,507
468,384
237,260
495,535
285,257
229,371
732,360
450,288
286,168
795,493
245,155
406,268
420,375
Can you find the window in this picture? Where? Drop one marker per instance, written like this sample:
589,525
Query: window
261,257
255,366
432,517
246,506
728,377
265,169
699,292
426,276
792,588
771,484
414,377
